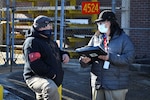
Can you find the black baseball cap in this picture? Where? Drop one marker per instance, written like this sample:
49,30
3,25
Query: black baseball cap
106,15
41,21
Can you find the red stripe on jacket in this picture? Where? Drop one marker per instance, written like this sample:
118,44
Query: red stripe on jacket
34,56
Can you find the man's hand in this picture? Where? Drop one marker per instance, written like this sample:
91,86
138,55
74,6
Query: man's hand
65,58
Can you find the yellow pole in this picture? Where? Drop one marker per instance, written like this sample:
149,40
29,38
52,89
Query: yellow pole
72,2
59,91
34,3
52,3
1,92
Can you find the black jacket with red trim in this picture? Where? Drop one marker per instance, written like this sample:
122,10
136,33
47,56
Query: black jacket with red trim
42,58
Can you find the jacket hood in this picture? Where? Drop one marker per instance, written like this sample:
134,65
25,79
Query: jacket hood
32,32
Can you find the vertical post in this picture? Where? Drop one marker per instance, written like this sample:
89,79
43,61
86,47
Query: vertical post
1,25
1,92
12,34
55,28
114,6
125,15
72,2
7,32
62,24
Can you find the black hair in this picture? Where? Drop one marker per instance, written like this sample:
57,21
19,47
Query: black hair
115,28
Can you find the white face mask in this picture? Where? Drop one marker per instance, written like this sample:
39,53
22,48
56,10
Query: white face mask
102,28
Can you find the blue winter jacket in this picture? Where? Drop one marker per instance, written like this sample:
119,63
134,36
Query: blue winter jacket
121,55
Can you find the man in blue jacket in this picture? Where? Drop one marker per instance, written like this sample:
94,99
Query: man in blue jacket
43,71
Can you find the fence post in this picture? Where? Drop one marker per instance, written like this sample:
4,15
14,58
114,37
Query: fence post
7,31
62,24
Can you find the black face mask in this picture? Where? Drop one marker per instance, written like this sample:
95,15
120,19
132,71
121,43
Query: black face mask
46,33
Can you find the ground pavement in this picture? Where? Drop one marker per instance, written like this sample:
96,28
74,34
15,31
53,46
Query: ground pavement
75,85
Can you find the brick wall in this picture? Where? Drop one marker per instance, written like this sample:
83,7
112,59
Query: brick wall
140,18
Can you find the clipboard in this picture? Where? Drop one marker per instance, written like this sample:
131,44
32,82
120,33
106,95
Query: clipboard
91,51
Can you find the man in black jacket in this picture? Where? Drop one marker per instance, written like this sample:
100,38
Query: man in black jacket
43,71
